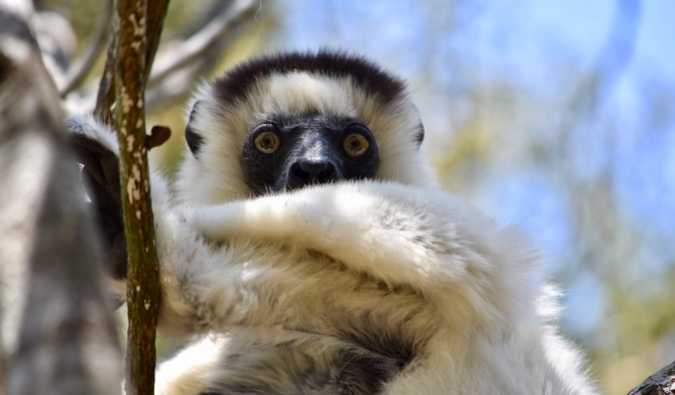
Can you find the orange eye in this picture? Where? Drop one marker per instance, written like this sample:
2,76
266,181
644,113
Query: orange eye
267,142
355,144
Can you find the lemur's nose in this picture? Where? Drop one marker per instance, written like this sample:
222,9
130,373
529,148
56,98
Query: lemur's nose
307,171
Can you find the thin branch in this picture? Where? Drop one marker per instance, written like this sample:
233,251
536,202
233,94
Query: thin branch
156,15
105,99
81,66
181,80
205,16
137,30
175,77
203,41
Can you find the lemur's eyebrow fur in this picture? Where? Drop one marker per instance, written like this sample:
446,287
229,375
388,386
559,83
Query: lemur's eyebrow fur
237,82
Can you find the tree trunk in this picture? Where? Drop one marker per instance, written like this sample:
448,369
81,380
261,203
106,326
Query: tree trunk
59,335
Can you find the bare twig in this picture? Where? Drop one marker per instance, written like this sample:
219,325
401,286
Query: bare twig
202,41
81,66
181,80
174,76
105,99
205,16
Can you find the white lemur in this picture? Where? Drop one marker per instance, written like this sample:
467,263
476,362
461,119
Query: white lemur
305,239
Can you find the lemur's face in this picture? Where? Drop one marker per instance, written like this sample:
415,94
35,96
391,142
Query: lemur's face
285,152
284,122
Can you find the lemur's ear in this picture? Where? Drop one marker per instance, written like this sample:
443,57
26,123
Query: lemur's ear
419,137
194,139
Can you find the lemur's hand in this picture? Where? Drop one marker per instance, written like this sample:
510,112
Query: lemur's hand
97,152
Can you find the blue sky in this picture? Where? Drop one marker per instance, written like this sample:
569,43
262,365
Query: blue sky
401,25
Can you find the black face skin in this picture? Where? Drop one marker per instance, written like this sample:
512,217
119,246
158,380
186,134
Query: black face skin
311,150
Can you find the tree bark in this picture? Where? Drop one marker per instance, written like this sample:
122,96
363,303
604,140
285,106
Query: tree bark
131,71
58,332
660,383
105,99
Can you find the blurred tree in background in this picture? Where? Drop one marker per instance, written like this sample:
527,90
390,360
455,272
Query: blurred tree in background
559,116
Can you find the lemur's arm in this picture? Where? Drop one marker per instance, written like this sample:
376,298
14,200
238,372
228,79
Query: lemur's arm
97,149
397,234
249,280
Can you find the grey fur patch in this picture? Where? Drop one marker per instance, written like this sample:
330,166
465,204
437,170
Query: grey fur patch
292,367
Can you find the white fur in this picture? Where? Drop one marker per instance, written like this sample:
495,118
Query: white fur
217,177
189,372
389,258
88,126
474,283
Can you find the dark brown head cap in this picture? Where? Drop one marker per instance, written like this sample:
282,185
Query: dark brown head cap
236,83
